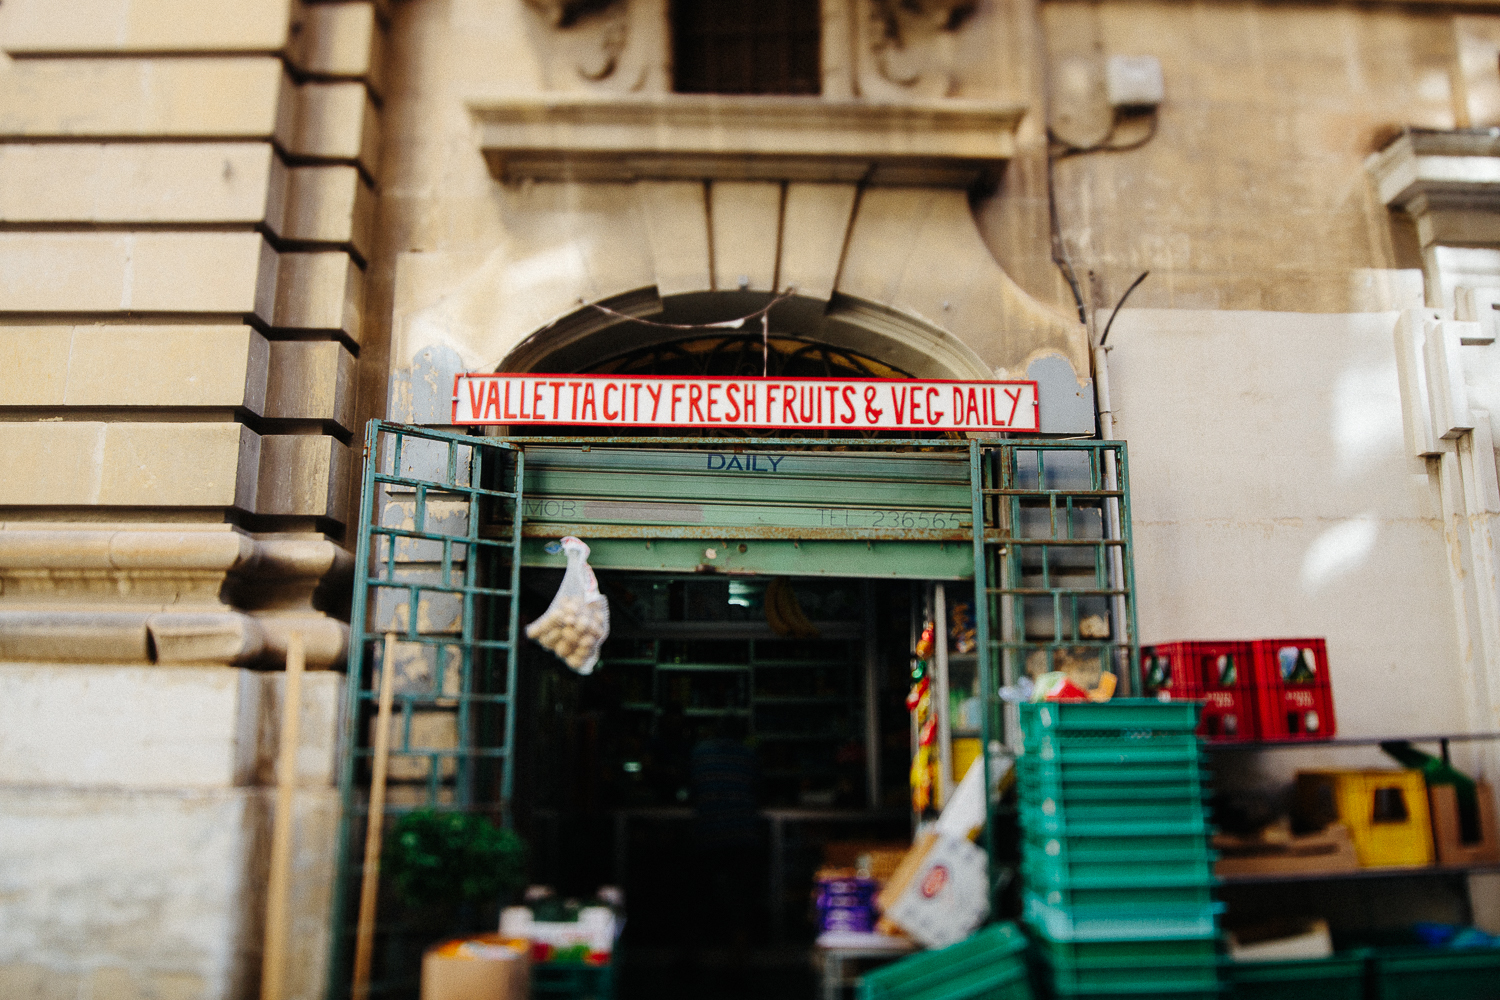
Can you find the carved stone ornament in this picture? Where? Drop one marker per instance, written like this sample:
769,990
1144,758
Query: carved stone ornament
910,41
563,13
947,15
593,45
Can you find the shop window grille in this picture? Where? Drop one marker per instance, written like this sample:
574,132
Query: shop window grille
746,46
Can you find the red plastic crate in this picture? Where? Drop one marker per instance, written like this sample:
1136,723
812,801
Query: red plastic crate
1228,677
1294,696
1219,674
1167,673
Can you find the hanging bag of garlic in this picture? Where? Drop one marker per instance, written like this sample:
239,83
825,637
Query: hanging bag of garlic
576,623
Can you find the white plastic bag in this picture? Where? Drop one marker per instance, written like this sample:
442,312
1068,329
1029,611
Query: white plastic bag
577,621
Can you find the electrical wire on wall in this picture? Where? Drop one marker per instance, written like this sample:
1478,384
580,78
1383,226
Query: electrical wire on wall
763,314
1062,150
1059,149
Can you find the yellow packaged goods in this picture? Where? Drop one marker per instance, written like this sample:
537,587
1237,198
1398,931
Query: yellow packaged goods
965,753
483,967
1385,811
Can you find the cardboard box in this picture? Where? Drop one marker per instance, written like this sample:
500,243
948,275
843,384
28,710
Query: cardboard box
1331,850
1284,941
905,871
482,967
885,856
947,897
1447,827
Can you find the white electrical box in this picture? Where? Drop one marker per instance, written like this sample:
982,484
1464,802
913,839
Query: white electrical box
1134,81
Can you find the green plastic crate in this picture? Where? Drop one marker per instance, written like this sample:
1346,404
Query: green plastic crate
1185,993
1122,847
1053,815
990,964
1340,977
1123,900
1140,739
1127,804
573,981
1114,752
1118,714
1112,954
1133,978
1437,974
1114,923
1040,826
1039,869
1038,785
1075,773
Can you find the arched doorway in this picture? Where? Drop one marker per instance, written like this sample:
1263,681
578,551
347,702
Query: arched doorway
687,545
855,336
610,767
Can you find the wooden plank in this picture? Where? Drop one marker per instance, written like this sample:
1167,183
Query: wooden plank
273,959
364,943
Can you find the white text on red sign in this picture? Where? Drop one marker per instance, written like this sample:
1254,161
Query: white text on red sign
755,403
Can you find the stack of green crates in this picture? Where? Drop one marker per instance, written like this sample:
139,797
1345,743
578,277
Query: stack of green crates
990,965
572,981
1116,869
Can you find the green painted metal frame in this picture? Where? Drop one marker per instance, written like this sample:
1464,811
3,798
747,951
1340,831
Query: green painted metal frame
996,497
454,770
999,495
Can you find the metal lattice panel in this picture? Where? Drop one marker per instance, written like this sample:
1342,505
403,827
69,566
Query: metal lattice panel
436,574
440,550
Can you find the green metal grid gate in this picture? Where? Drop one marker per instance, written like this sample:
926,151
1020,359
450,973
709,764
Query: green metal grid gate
431,577
440,546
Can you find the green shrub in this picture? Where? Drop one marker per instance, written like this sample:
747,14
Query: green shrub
436,857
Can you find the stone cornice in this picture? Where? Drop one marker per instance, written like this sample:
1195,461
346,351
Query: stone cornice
1461,166
939,143
203,594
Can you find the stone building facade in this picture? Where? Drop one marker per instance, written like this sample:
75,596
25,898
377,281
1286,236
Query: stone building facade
232,232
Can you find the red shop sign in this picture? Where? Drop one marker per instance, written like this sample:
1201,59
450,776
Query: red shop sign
752,403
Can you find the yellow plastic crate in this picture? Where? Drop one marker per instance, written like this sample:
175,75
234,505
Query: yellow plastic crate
1385,811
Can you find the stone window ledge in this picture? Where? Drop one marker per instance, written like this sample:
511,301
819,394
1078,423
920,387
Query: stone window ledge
947,143
1459,167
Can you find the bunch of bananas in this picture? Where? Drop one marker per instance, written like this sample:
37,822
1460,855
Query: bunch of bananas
784,614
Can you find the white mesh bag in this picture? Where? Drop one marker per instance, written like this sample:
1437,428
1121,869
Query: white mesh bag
577,621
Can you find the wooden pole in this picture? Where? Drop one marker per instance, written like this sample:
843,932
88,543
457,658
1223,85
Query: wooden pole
273,959
365,937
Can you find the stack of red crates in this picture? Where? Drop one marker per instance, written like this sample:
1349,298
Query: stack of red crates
1219,674
1294,697
1266,689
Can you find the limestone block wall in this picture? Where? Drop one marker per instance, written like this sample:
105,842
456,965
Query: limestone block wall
135,818
187,213
1249,195
485,265
190,201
